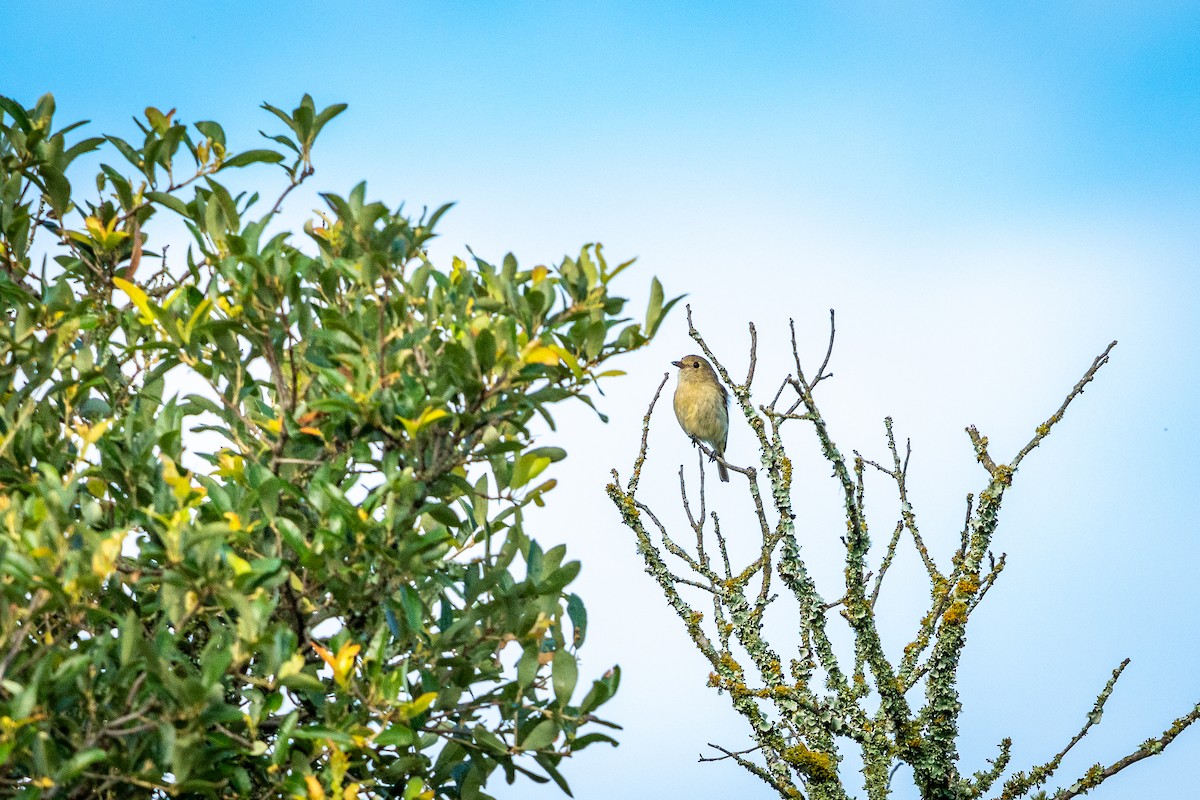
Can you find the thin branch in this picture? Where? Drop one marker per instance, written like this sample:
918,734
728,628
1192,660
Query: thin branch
1021,783
1150,747
728,754
994,570
631,488
779,393
1043,430
308,170
887,561
980,444
828,352
753,356
783,789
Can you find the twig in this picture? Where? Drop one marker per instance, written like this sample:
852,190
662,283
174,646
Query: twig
980,444
308,170
631,488
727,753
828,352
1022,782
889,554
753,356
786,791
1043,430
1148,748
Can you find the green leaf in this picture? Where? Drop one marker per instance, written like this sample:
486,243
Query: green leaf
556,580
528,467
328,113
249,157
14,110
527,667
79,762
654,310
211,130
542,736
489,741
578,616
396,735
547,762
591,738
565,674
169,201
125,149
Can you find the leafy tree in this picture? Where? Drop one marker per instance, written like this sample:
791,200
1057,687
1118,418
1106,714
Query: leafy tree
264,511
896,708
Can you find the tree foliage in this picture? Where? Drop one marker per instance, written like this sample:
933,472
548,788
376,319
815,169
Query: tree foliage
895,708
264,511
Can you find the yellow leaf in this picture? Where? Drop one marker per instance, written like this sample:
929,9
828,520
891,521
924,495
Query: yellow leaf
95,227
315,790
235,522
542,355
138,297
93,432
106,236
104,558
229,464
180,486
293,666
540,273
428,416
417,706
342,663
338,764
239,565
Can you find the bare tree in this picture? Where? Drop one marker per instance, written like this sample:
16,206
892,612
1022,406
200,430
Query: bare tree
896,708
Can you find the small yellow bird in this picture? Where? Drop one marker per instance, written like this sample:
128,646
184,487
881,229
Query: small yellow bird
702,406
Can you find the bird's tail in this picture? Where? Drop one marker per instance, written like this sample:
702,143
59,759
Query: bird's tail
722,472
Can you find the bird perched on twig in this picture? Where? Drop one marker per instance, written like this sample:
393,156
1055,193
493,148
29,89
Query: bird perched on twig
702,406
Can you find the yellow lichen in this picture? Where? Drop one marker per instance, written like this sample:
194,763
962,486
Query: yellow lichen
956,614
1092,777
812,764
968,585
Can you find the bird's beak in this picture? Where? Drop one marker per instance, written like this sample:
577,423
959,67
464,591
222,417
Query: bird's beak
678,364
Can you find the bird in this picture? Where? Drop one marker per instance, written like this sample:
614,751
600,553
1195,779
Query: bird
702,406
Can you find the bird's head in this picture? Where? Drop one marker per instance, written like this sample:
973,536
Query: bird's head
694,368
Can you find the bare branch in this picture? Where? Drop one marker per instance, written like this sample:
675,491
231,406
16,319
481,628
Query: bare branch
1021,783
631,488
753,356
728,754
1150,747
828,352
980,444
784,789
887,561
1043,430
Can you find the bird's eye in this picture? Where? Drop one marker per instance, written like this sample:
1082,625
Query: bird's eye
696,364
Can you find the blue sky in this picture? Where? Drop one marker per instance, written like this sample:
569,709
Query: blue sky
988,194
